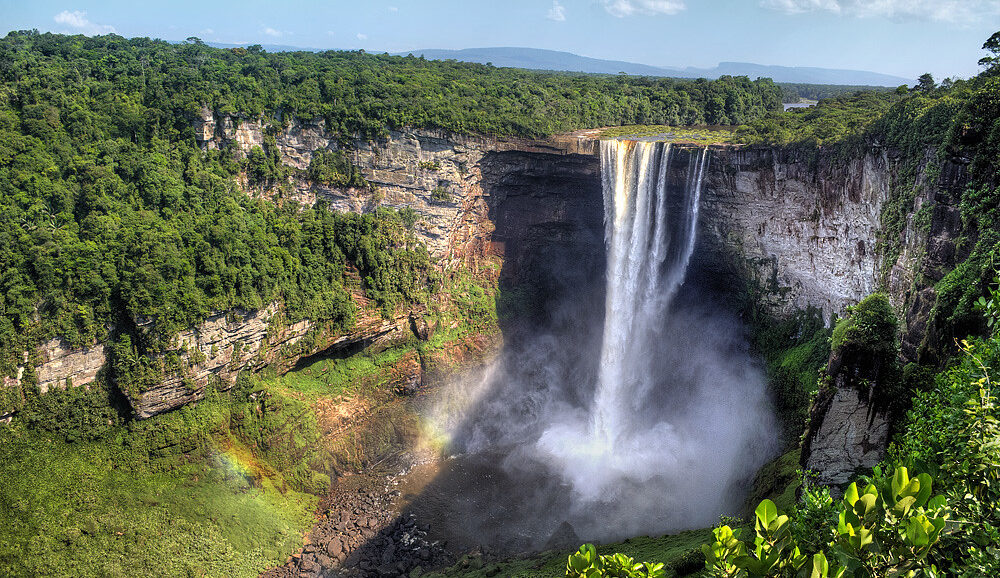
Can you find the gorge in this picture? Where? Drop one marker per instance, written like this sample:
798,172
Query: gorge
674,238
788,229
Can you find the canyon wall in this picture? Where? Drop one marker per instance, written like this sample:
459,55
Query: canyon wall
793,228
458,186
798,231
436,173
214,352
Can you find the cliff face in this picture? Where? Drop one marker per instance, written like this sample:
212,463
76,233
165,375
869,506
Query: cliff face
802,228
929,251
804,231
62,366
545,218
436,173
849,438
792,230
216,351
462,190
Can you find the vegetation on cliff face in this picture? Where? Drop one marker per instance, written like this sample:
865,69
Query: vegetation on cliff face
864,350
224,487
952,432
795,349
923,128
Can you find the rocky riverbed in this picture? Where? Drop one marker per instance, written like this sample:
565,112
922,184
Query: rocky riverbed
364,530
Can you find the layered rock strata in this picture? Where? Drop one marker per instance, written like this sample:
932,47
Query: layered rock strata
214,352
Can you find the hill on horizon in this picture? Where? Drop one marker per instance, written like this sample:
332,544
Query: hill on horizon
557,60
540,59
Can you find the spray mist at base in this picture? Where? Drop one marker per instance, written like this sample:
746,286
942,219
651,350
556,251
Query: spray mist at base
649,419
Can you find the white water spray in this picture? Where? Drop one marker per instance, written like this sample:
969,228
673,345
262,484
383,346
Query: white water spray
677,416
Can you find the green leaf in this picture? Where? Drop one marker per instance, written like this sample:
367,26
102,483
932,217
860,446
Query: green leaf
903,506
938,502
899,481
917,531
820,566
851,495
926,483
766,513
865,505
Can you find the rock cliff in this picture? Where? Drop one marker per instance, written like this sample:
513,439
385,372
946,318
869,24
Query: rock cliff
438,175
800,231
800,228
435,173
214,352
63,366
849,438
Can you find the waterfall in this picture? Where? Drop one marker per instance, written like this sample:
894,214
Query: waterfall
650,239
653,415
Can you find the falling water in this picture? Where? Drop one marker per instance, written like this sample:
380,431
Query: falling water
664,432
650,242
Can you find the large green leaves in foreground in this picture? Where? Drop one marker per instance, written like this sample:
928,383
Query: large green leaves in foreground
886,529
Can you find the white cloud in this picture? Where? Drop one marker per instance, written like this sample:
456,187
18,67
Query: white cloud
954,11
362,36
623,8
557,12
272,32
393,9
78,21
207,31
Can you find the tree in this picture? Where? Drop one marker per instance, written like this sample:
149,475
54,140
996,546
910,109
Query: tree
991,63
925,83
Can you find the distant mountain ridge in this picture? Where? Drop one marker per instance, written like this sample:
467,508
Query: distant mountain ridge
539,59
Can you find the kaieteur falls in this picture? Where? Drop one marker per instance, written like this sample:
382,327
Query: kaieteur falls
674,417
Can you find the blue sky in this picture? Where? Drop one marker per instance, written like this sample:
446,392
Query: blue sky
902,37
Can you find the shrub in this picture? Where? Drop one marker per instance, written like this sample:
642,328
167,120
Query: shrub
440,194
333,168
585,563
886,529
864,352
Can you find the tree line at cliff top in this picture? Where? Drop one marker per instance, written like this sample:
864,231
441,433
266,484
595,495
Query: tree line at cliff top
364,94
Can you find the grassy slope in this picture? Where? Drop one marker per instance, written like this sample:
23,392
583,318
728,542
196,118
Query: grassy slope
91,509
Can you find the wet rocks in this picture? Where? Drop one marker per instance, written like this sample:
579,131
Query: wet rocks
361,535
